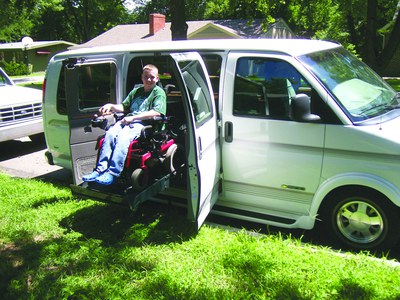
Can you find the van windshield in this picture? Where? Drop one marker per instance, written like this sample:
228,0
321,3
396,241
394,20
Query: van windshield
358,90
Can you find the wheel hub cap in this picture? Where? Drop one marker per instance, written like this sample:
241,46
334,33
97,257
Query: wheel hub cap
359,222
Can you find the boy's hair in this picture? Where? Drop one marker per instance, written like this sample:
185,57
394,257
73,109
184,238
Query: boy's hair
151,68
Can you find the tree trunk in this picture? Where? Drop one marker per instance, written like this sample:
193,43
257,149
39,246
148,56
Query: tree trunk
178,20
370,35
392,45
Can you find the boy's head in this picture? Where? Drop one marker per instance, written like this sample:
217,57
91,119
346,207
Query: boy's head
149,77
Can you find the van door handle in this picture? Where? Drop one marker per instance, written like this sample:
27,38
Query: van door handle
228,132
200,149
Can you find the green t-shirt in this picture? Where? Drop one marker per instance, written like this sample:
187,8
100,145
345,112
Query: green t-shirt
139,101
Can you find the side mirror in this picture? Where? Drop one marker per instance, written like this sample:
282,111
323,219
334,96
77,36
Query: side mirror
300,109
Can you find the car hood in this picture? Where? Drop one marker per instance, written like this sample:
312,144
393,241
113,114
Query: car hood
16,95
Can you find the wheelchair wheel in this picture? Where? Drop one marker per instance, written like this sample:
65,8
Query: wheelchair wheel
140,179
168,163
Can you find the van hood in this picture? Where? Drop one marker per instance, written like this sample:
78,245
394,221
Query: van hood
382,138
11,95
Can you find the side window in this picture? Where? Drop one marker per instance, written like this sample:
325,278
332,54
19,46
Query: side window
264,88
213,64
195,80
96,86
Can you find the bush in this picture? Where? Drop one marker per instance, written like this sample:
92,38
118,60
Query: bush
15,69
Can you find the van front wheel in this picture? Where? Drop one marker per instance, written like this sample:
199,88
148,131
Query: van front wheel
362,219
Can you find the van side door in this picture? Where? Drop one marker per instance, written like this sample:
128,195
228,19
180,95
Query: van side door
202,143
271,163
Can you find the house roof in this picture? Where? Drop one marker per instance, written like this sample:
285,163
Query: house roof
33,45
139,33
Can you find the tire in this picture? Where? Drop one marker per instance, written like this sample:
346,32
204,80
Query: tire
361,219
140,179
168,163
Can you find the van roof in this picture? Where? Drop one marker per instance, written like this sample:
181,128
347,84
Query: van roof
292,47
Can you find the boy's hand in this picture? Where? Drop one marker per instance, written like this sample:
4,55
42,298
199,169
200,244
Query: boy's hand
106,109
127,120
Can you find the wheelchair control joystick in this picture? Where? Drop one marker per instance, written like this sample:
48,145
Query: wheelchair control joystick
99,121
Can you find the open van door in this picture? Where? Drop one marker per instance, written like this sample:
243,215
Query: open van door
202,144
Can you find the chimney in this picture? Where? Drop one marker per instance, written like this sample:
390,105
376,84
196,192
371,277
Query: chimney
156,23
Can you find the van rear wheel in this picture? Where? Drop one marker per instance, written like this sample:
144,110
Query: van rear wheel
361,219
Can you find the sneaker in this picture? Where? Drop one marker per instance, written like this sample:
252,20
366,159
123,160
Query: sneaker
91,177
105,179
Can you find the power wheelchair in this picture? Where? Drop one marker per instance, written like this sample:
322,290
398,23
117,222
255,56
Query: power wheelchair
155,154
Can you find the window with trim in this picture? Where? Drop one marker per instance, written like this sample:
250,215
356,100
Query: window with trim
213,64
96,86
264,88
199,93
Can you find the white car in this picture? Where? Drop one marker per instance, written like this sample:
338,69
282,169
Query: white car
20,111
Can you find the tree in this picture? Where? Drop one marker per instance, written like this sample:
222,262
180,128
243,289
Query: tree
15,20
178,20
384,57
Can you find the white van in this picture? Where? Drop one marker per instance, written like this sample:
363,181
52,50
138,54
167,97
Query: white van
282,132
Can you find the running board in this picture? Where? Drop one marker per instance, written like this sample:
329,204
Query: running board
116,194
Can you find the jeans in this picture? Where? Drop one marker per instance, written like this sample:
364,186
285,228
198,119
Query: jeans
115,147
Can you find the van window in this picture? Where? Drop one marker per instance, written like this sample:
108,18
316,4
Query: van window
264,88
199,93
96,86
213,64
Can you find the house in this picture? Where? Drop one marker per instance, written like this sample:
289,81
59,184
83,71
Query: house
158,30
34,54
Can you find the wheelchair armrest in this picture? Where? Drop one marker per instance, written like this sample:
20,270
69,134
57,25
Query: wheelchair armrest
146,132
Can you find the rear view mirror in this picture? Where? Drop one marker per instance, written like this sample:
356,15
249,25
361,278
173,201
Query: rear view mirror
300,109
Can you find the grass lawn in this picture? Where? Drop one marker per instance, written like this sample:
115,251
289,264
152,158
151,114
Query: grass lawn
55,247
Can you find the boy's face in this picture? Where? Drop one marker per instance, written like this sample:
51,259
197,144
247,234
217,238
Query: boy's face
149,78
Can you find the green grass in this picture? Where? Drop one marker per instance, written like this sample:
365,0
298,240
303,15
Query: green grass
55,247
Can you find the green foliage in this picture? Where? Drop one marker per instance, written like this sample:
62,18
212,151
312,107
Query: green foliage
394,83
54,247
14,68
